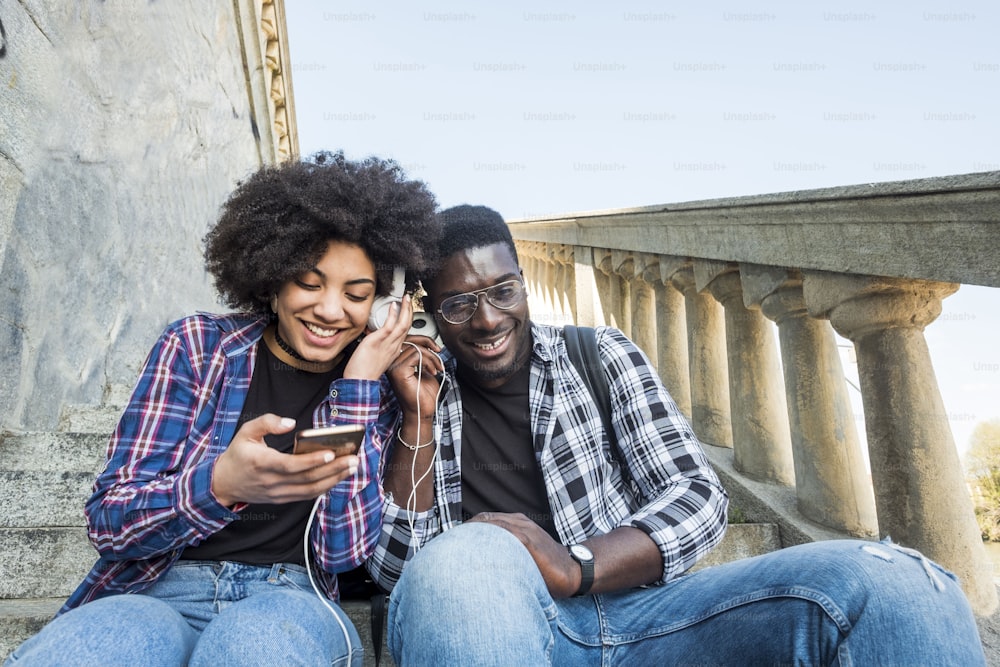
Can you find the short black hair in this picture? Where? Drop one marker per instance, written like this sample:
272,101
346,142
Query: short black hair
278,222
465,226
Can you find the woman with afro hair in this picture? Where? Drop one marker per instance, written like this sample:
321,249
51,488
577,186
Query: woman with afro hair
201,512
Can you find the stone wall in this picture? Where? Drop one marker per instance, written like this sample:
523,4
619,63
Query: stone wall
123,127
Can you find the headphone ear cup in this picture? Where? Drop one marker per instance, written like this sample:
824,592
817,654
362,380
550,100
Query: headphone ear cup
381,304
380,310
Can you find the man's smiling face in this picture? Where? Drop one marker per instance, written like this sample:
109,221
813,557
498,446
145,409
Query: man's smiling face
494,343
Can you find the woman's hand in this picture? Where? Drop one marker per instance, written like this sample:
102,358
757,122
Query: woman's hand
380,347
251,472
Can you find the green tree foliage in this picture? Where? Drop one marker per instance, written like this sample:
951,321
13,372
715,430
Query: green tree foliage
982,465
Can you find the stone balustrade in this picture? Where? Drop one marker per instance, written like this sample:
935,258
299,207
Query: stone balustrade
703,286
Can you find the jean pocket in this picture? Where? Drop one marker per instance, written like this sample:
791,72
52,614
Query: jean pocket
293,576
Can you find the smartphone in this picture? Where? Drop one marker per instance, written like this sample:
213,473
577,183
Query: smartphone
341,440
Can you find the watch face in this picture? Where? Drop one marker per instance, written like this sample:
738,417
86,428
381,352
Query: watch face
581,552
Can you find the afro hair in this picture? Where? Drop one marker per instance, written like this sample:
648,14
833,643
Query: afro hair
277,223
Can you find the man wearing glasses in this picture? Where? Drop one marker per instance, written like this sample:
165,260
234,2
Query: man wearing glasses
516,533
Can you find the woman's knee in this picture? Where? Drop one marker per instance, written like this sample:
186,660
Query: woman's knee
115,630
277,626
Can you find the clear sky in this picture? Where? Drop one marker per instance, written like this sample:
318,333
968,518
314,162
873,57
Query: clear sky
536,108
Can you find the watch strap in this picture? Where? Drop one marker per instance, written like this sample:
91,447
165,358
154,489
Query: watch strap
586,574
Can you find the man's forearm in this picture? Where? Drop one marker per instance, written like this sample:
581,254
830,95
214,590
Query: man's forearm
624,558
406,466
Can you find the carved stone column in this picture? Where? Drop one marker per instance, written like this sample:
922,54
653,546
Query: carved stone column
587,303
706,336
532,267
608,293
920,491
643,307
832,484
613,291
622,274
549,288
671,331
565,289
762,447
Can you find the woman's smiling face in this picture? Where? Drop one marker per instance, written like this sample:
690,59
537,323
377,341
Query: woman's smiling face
326,308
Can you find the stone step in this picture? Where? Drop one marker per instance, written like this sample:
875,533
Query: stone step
44,562
49,477
43,498
743,540
90,419
57,452
20,619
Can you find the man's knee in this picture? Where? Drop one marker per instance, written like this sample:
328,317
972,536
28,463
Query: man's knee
472,554
446,605
870,574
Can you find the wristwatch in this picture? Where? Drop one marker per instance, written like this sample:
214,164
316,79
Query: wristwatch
585,557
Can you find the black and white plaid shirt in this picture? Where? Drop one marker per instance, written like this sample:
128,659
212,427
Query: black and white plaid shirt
668,488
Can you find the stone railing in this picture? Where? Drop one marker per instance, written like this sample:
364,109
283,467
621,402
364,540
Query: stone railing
697,286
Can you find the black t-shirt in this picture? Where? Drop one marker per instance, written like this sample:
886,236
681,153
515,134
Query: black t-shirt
265,534
500,472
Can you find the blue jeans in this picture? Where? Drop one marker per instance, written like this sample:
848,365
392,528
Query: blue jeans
473,596
201,613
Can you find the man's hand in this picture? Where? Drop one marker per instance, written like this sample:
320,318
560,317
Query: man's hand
624,558
251,472
413,375
561,573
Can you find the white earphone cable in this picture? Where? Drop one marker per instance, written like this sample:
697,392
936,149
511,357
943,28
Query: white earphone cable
411,500
312,580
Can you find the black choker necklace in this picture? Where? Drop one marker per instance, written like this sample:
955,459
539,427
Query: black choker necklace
286,347
287,354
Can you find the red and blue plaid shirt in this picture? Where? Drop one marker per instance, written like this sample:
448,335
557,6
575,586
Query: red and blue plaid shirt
154,496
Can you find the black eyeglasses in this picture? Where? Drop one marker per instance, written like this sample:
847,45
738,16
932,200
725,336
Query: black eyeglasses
460,308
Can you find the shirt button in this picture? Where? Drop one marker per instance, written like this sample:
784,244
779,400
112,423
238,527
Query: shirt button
333,393
333,413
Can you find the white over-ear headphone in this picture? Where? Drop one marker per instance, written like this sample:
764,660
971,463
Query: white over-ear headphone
423,323
381,305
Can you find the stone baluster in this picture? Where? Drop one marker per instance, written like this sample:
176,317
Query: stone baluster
832,483
622,273
706,338
549,287
643,306
920,491
611,289
762,447
527,254
587,307
671,330
565,292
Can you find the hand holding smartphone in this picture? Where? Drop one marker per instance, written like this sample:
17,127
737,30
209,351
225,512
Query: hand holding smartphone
341,440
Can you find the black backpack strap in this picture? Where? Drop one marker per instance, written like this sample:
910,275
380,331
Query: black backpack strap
581,344
378,622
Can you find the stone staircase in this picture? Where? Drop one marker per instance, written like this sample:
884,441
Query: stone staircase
44,550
